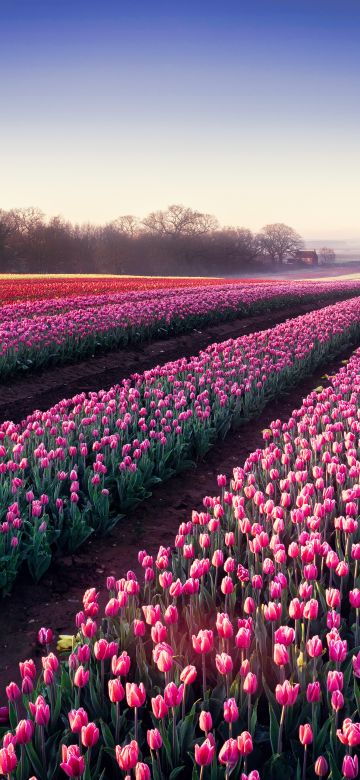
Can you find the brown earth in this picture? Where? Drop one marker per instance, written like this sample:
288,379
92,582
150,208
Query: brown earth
20,396
57,598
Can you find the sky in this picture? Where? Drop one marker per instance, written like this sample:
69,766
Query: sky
248,110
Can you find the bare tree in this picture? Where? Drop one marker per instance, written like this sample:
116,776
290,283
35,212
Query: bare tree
126,224
279,241
326,256
179,221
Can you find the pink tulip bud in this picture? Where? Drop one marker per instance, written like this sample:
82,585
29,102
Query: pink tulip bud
142,771
321,766
45,636
305,734
83,652
135,694
81,677
139,628
27,686
286,694
250,683
203,642
337,701
116,690
314,647
173,696
354,598
171,615
205,721
313,692
77,719
24,731
13,691
249,606
188,675
350,766
223,625
335,681
231,712
281,657
154,739
8,760
40,711
356,664
159,707
28,669
244,743
224,663
121,666
89,735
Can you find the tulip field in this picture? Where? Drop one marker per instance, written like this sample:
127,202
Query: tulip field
48,330
233,653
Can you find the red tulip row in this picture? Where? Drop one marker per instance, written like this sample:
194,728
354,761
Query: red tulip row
15,288
236,652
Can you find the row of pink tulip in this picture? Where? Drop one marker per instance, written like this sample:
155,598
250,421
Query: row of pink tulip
236,652
69,471
37,333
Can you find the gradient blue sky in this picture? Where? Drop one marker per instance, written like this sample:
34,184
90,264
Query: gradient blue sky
248,110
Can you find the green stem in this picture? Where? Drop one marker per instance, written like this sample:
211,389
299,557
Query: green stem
304,764
204,675
279,746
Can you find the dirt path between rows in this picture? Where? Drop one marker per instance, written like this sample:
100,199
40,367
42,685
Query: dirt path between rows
20,396
57,598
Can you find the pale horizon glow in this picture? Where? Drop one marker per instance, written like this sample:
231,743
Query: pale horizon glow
249,114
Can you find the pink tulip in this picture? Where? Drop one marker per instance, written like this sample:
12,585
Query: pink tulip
154,739
116,691
321,766
89,735
250,683
127,756
205,752
229,753
73,763
286,694
77,719
159,707
142,771
231,712
135,694
350,766
224,663
173,696
188,675
205,721
24,732
81,677
281,657
203,642
8,760
244,743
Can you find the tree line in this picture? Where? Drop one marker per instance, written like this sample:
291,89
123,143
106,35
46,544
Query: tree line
176,241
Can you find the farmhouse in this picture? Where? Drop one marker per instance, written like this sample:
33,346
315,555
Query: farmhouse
304,257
